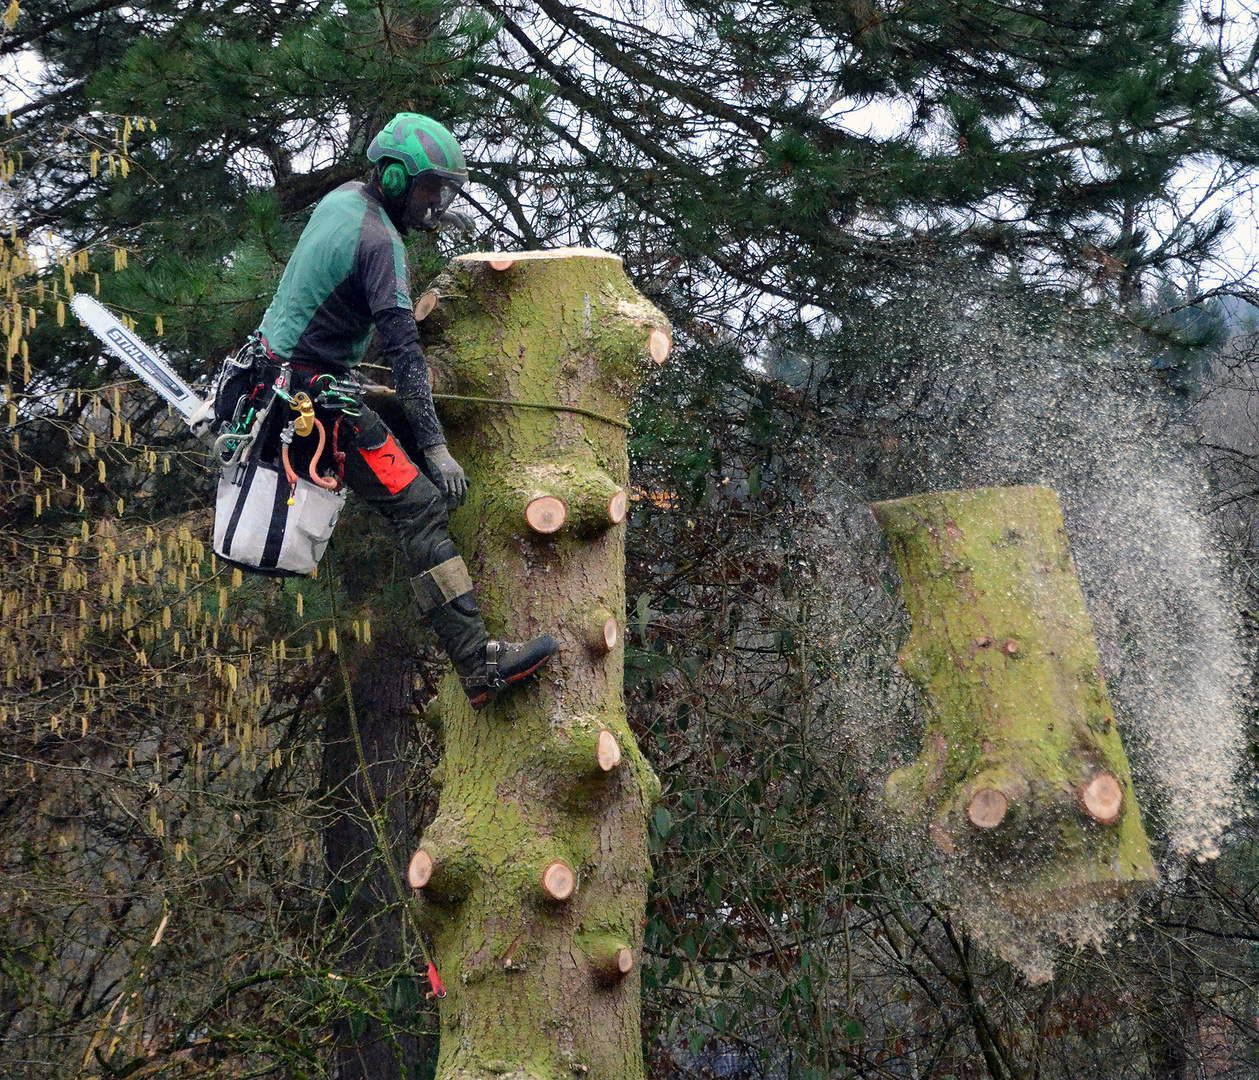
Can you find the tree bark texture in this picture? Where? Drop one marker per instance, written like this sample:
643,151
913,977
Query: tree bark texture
1022,775
362,892
534,872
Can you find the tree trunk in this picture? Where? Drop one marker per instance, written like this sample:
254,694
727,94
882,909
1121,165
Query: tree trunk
534,872
1022,773
362,893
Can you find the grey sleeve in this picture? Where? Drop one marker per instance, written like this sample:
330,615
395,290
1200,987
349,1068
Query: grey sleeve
381,265
400,347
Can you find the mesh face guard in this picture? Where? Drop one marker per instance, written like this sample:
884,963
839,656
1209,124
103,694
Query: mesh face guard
425,212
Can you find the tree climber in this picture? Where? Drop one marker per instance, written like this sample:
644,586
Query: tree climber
347,274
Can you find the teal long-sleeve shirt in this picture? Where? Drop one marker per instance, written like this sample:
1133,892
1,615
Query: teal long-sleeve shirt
346,277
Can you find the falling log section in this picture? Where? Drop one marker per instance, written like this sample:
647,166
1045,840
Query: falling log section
533,874
1022,779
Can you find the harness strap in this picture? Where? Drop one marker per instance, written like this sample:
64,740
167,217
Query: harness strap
492,649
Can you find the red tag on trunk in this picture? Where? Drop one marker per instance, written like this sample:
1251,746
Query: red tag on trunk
435,982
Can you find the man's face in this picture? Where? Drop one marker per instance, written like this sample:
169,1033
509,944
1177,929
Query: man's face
430,195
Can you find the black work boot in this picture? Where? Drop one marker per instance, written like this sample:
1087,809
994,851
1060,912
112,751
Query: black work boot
501,664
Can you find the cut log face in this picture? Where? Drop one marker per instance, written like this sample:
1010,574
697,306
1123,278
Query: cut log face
424,305
1102,799
609,957
554,826
609,634
420,869
545,514
558,880
659,346
986,809
601,632
607,751
1020,738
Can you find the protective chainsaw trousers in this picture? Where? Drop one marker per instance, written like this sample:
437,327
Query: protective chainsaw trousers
381,473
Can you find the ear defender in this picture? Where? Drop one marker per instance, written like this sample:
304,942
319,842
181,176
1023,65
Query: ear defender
393,179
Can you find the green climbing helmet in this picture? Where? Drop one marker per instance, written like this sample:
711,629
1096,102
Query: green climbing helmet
411,144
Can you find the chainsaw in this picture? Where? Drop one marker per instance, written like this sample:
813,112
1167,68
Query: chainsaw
125,344
255,525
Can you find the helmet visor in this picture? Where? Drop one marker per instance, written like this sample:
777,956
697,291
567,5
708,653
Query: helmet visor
430,197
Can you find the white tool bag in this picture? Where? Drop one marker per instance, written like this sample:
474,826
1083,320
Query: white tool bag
255,526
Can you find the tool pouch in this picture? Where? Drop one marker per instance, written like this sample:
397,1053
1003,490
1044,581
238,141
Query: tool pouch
242,375
255,527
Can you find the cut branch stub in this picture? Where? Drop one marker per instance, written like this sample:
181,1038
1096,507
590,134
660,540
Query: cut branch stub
993,802
1019,738
586,752
609,956
987,808
1102,799
420,869
581,499
601,631
445,873
558,880
659,346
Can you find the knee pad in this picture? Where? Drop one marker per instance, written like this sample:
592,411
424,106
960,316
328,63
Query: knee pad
443,554
446,583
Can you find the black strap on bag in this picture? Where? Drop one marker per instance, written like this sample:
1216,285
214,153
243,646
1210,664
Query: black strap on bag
276,526
279,522
239,508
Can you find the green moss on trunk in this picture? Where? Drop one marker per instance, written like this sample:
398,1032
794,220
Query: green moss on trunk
561,329
1022,772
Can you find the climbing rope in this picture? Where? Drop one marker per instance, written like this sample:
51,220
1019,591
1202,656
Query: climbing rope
389,391
534,405
377,817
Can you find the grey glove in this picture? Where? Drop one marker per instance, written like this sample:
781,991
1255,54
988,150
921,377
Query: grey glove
453,221
447,474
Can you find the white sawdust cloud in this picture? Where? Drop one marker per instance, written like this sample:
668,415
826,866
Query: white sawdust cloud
989,393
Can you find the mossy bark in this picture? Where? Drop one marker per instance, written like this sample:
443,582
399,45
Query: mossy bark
1022,776
564,330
